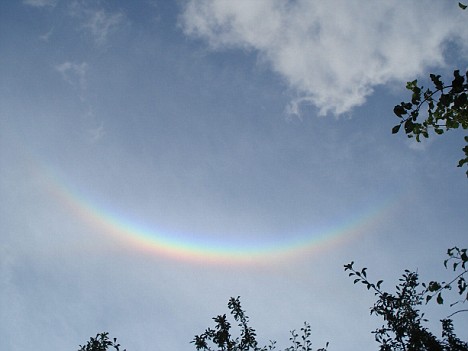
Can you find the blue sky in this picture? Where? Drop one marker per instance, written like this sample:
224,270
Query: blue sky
158,157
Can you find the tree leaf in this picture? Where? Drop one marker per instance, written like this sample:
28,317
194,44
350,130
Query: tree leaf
440,300
396,129
399,110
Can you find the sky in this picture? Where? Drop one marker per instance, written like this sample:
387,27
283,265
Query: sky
159,157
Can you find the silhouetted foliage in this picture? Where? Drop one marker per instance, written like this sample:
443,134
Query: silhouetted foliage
301,342
101,343
458,261
404,322
220,338
447,108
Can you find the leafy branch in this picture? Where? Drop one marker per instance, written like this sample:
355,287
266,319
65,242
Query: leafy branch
100,343
447,108
404,322
302,342
221,336
223,340
459,260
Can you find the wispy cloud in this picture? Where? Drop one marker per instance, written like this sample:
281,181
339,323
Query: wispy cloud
46,36
419,146
73,73
330,53
40,3
94,129
95,134
97,22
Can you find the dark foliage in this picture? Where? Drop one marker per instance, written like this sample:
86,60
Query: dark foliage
404,327
220,338
447,108
101,343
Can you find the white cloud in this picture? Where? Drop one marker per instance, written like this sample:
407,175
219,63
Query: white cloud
40,3
330,53
99,23
73,73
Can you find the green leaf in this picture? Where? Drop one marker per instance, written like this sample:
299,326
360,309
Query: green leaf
457,83
463,7
434,286
396,129
399,110
445,100
440,300
411,85
437,82
409,125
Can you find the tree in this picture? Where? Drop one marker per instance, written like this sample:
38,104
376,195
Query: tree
100,343
220,338
404,327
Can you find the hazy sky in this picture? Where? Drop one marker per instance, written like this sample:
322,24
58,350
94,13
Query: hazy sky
158,157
